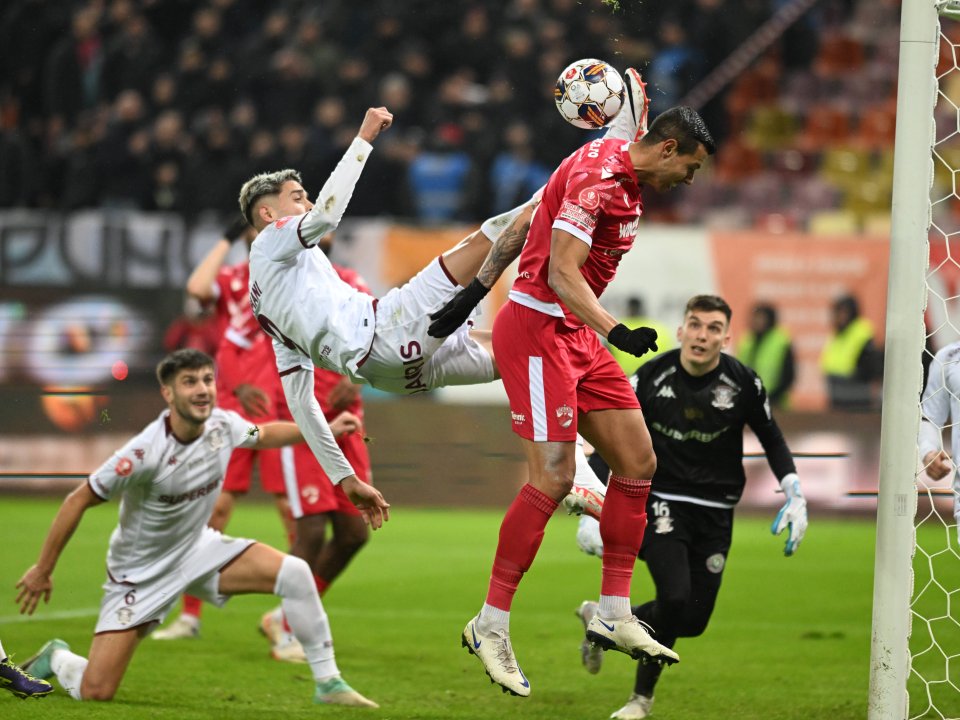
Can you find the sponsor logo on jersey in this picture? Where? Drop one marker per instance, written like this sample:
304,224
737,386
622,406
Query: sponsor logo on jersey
667,392
565,416
663,525
589,199
124,467
283,221
576,215
691,435
664,375
723,397
629,229
190,496
518,418
716,562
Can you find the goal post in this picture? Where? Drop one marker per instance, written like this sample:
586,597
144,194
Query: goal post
906,300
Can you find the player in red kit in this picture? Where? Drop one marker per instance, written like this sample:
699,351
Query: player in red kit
561,380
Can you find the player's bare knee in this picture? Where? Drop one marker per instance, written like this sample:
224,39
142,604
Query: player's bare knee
99,691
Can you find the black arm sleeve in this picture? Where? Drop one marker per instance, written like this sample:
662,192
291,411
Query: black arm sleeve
768,433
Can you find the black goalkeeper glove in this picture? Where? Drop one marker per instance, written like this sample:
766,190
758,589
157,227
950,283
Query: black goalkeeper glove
636,342
455,313
236,229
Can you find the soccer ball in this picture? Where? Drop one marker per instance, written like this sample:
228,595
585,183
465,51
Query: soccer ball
589,93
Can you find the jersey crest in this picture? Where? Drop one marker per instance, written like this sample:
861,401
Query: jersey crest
723,397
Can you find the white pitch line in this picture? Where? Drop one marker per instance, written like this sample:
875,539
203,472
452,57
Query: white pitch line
56,615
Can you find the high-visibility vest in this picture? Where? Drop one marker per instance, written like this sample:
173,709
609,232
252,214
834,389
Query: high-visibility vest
767,356
629,362
840,354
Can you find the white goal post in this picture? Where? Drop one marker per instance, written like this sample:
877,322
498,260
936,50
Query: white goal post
906,300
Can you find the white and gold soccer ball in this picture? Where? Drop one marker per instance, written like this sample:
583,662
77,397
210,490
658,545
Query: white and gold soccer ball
589,93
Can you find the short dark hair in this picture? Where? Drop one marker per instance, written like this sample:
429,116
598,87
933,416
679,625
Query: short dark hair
709,303
185,359
684,125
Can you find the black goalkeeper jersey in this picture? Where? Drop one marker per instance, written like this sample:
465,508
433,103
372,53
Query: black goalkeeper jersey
696,424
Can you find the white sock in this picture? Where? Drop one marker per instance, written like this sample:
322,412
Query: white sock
492,618
584,476
306,616
69,668
614,607
3,655
492,227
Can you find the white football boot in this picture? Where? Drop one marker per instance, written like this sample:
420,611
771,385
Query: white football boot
630,123
283,645
183,628
590,654
583,501
496,653
336,691
638,707
629,636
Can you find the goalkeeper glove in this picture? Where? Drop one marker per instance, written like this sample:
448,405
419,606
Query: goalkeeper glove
636,342
793,514
455,313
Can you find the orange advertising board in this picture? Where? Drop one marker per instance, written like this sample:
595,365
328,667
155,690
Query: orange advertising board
801,275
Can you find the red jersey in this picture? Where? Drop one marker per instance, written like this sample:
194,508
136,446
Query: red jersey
594,196
240,327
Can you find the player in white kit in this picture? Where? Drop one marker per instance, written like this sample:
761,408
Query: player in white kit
168,478
315,318
940,408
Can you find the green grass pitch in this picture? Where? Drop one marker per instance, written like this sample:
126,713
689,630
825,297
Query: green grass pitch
790,638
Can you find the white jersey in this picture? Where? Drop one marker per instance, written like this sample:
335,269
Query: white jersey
940,406
167,490
313,316
295,292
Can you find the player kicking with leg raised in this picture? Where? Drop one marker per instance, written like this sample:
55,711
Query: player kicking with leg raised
168,478
316,319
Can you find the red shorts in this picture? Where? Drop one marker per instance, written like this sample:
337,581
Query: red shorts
255,366
309,490
552,372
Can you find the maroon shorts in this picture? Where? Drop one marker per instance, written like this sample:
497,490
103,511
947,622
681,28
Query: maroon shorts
552,372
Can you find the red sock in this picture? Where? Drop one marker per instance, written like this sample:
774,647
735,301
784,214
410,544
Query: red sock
520,536
622,522
321,584
191,605
286,625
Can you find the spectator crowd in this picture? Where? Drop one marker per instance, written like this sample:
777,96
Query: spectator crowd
168,104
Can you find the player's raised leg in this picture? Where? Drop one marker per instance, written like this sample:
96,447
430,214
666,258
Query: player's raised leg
621,437
630,124
263,569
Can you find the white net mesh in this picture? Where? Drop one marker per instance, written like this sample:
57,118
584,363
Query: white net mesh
934,683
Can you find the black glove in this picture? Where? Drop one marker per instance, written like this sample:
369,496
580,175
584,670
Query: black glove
636,342
236,229
455,313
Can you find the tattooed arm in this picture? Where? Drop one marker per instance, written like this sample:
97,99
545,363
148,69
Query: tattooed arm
505,250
